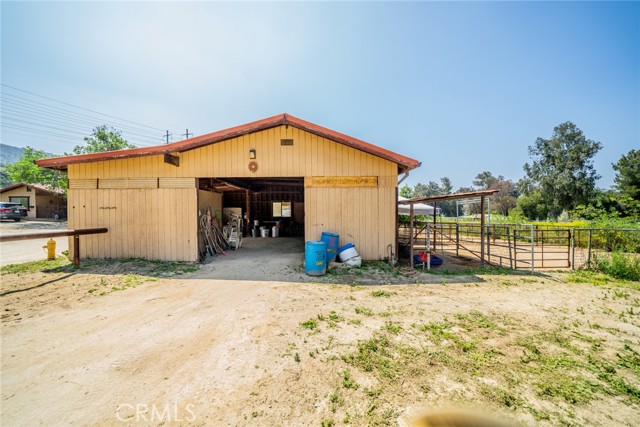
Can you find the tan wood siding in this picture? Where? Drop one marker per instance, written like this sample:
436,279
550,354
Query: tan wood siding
364,216
128,183
83,183
142,223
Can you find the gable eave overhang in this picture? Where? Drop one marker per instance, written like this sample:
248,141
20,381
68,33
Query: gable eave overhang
404,163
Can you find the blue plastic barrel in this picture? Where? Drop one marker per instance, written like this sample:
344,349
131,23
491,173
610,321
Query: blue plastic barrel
315,258
332,241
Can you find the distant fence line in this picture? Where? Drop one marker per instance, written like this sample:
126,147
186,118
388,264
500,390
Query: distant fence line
523,246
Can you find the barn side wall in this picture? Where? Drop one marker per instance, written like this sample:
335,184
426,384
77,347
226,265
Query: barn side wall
149,223
362,216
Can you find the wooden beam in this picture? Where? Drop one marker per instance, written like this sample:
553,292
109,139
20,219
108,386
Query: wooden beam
171,159
482,230
46,234
76,250
248,227
234,184
411,233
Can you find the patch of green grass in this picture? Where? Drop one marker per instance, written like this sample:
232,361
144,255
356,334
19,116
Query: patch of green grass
335,317
327,422
571,389
380,293
501,396
377,265
310,324
61,263
373,393
599,278
128,281
347,381
392,327
373,355
296,357
438,331
475,319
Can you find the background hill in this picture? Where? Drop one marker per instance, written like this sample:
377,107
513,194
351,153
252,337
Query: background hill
9,153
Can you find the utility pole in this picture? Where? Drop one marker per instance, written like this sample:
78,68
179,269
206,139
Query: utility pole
167,136
187,134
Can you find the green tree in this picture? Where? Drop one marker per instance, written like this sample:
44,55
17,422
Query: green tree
432,188
525,186
406,191
5,179
562,168
627,180
103,139
505,199
484,180
25,170
533,206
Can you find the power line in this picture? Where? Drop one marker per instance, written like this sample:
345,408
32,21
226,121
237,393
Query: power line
13,114
69,115
81,108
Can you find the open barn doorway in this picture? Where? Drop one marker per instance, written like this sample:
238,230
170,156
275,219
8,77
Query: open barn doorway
266,208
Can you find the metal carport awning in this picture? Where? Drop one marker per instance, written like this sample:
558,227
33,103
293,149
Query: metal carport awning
482,194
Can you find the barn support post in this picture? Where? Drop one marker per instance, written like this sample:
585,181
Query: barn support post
435,241
248,227
573,248
533,249
76,251
509,244
589,248
397,230
482,232
411,233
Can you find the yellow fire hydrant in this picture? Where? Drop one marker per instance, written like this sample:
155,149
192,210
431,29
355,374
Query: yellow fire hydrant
51,249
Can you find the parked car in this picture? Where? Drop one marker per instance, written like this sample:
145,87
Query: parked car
14,211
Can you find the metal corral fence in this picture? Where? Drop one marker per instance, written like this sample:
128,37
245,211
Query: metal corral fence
588,243
521,246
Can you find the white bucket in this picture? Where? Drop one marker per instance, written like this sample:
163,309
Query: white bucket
264,232
348,254
275,231
356,261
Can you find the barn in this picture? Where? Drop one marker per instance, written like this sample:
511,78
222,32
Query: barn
282,169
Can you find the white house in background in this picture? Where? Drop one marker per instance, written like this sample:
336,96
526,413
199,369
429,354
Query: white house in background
41,201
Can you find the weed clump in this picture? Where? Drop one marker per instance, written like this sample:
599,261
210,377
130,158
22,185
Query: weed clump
618,265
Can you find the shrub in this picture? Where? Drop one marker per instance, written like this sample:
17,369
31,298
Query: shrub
618,265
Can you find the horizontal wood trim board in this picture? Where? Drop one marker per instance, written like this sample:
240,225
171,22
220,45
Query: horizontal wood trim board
83,183
128,183
341,181
177,182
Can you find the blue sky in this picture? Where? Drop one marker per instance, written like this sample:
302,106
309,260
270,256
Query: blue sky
462,86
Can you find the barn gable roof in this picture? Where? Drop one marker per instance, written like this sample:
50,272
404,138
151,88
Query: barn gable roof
404,163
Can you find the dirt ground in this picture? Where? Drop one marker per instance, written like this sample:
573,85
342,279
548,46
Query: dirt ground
139,343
